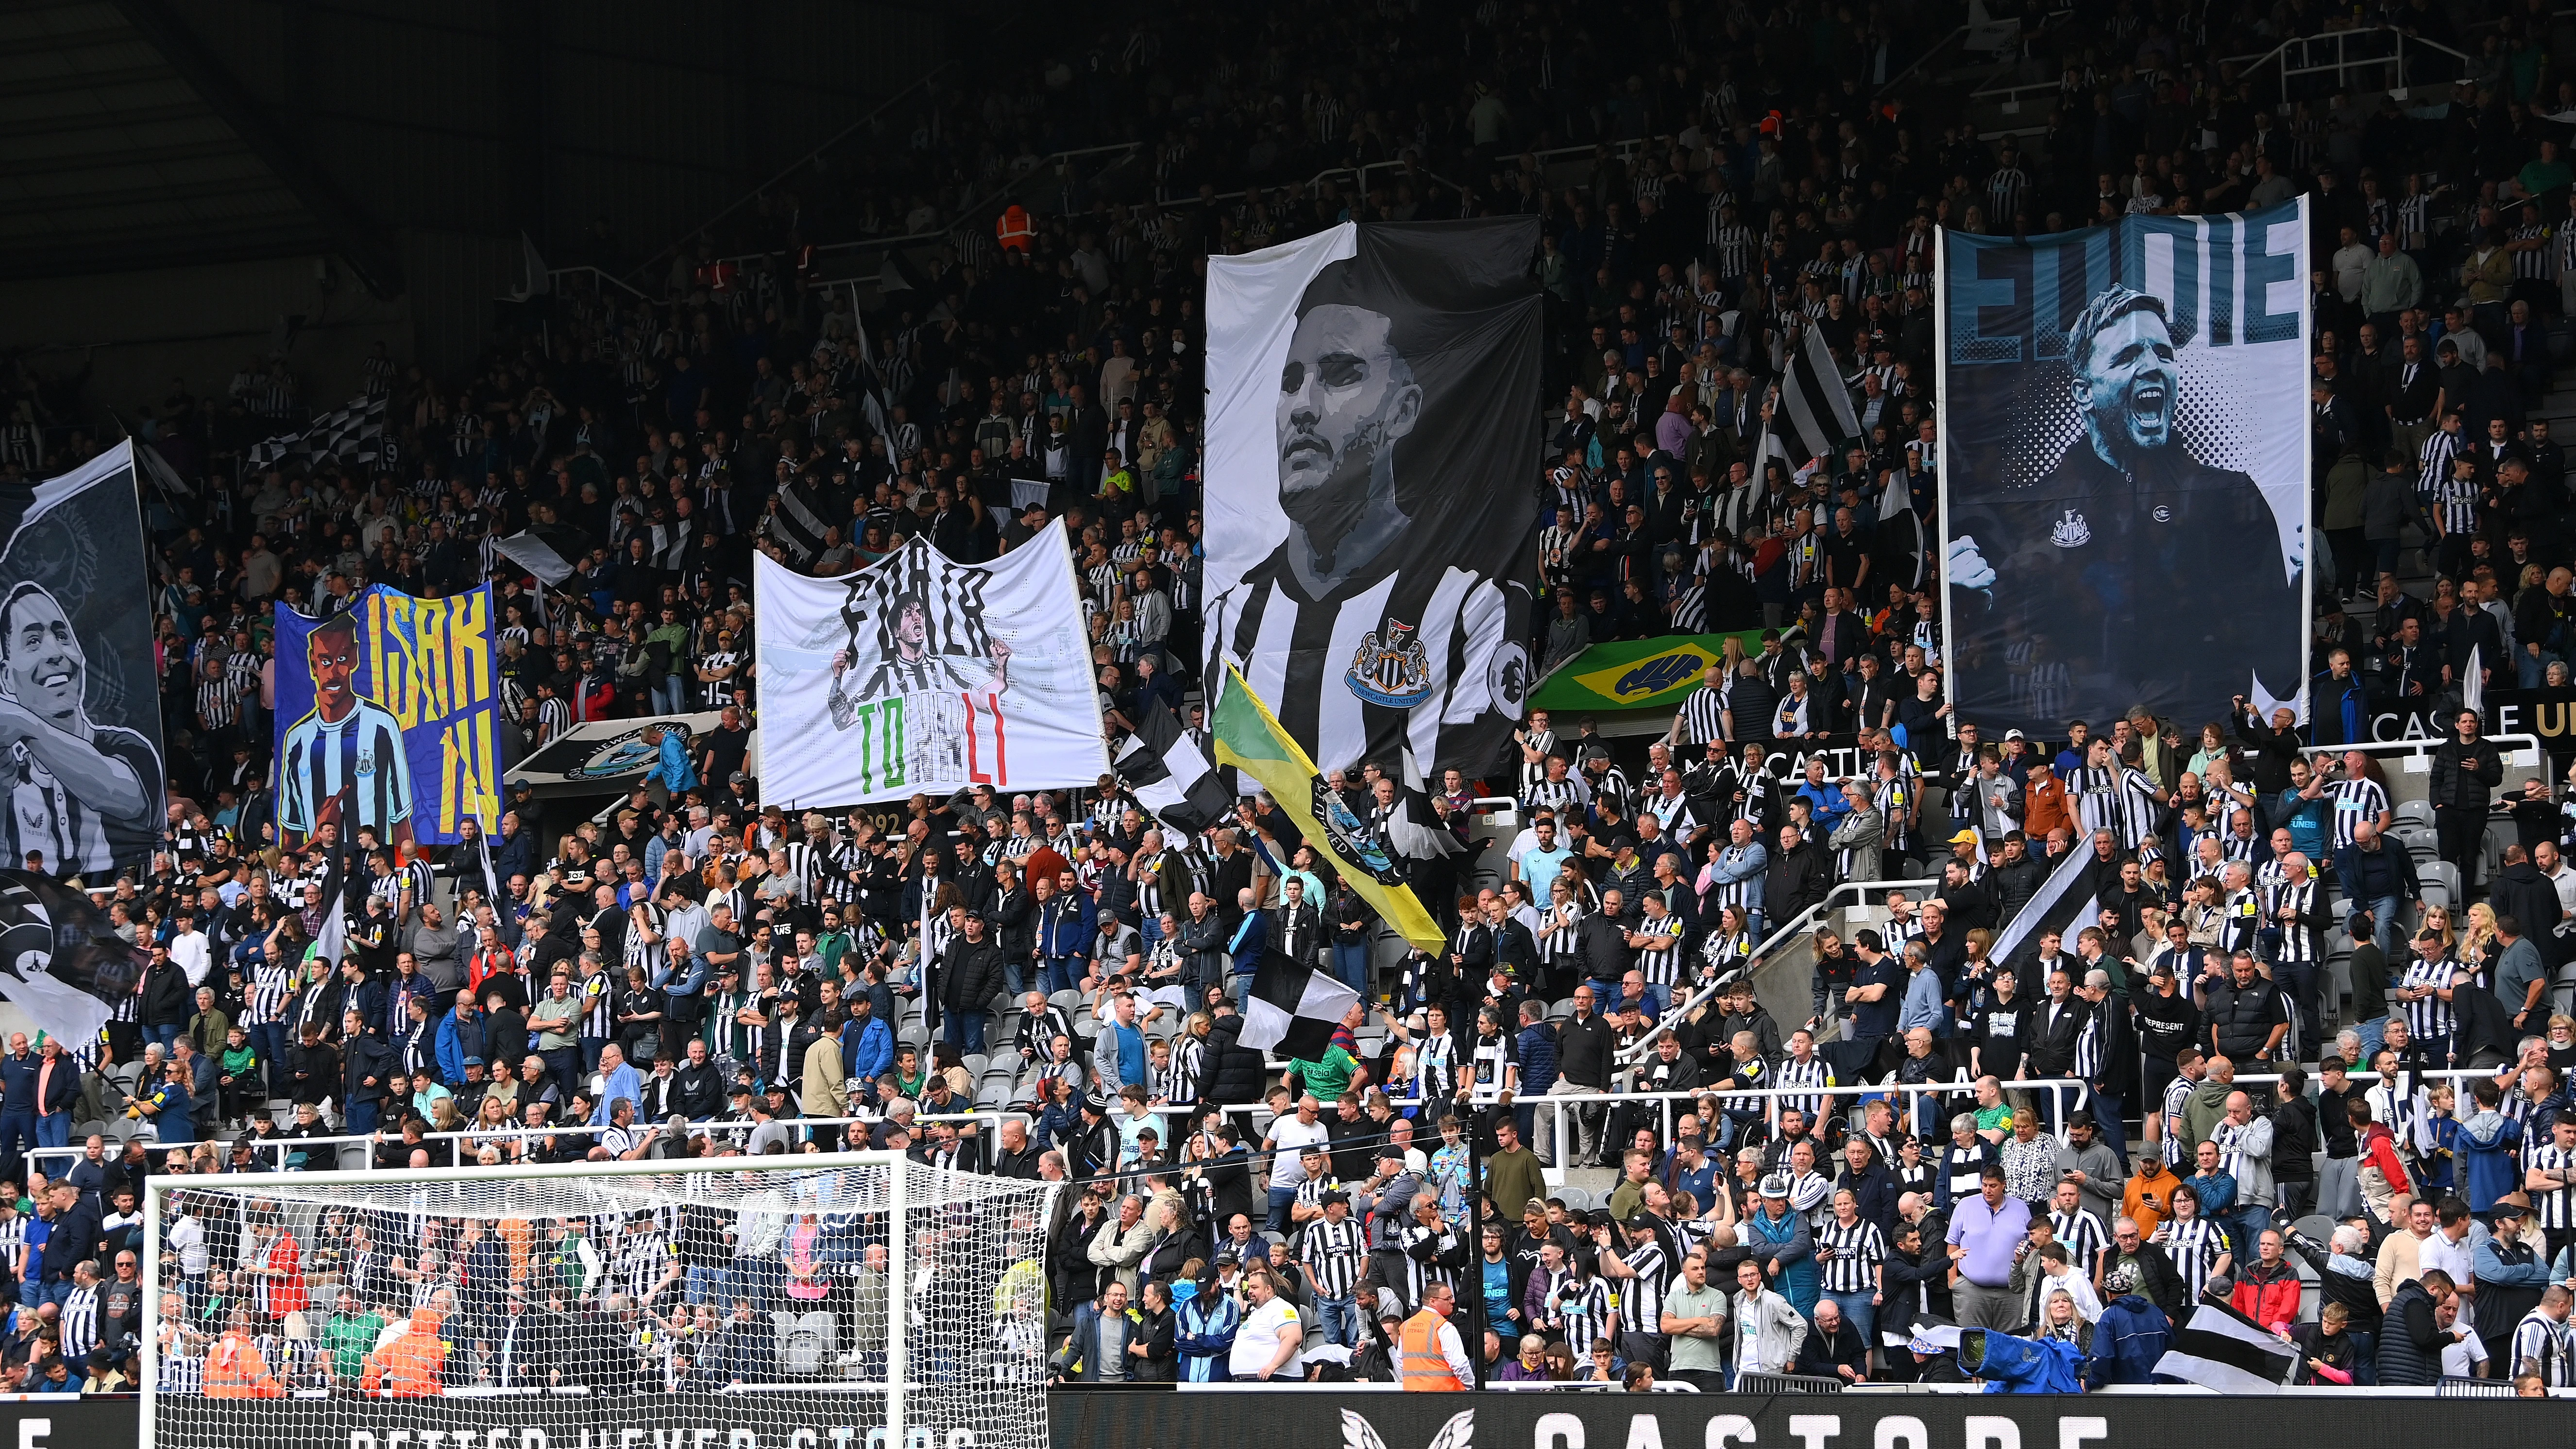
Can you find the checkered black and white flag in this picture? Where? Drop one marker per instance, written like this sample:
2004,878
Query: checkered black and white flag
354,433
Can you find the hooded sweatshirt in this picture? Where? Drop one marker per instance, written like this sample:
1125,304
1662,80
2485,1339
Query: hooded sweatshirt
2490,1157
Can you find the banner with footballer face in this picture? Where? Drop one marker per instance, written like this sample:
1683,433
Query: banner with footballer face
918,675
2125,469
1372,524
385,719
80,704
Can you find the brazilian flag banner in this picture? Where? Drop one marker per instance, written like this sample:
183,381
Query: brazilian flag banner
1249,737
1637,673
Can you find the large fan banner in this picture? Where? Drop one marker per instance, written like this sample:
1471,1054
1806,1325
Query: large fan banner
385,718
63,968
2124,468
919,675
1373,427
80,706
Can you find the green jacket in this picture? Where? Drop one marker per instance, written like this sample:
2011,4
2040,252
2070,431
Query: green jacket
348,1339
676,636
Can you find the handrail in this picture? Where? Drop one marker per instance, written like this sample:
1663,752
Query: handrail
1805,920
2342,64
557,274
799,164
2522,743
1920,61
458,1138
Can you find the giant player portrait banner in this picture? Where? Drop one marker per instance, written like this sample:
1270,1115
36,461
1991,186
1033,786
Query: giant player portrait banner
2124,468
386,717
80,706
1372,519
917,674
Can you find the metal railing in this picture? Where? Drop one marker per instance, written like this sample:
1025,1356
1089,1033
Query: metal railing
1804,921
463,1140
2385,47
2065,1094
645,267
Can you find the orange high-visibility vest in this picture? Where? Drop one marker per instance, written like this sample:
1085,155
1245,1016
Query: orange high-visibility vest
1015,230
1424,1368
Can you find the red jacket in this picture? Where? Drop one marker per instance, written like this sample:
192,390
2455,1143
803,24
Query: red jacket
2268,1297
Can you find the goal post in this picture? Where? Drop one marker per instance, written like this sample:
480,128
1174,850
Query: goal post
846,1301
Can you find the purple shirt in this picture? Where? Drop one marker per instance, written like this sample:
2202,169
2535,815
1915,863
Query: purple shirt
1989,1235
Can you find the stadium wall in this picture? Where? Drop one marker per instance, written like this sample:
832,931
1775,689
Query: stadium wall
1346,1414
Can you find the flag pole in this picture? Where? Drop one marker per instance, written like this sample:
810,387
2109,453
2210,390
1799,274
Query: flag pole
1476,1246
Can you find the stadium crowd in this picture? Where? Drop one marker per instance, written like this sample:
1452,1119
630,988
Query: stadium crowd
1044,986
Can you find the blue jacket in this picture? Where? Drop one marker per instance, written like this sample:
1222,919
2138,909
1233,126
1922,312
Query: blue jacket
688,984
1067,925
1248,940
1203,1329
2128,1338
674,769
1538,1062
625,1082
872,1055
451,1053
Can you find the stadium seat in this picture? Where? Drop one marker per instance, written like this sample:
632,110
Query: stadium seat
974,1063
2421,841
2441,882
2412,812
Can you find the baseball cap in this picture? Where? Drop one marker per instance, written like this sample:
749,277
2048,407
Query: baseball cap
1964,837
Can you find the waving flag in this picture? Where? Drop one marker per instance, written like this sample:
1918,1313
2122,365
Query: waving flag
1248,736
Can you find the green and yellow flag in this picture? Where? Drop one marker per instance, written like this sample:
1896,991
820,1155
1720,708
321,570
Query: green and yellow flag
1248,737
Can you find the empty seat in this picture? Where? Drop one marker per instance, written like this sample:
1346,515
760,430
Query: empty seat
2421,841
2417,812
2441,883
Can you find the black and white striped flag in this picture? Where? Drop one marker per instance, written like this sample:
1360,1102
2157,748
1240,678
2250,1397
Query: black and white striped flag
2065,904
353,433
1814,404
2220,1348
549,552
1170,776
798,522
1292,1009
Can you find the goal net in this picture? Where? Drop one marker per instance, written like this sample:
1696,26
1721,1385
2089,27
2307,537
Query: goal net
858,1301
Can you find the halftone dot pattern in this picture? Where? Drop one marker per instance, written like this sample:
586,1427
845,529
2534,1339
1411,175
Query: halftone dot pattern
2229,395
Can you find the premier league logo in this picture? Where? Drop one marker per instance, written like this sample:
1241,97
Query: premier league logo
1353,838
1394,671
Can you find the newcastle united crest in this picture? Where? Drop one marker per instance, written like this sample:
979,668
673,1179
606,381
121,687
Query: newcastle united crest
2071,531
1394,671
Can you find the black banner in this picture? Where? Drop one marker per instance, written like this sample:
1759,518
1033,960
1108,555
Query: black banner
1139,1419
1372,514
2124,475
44,1422
2548,713
80,700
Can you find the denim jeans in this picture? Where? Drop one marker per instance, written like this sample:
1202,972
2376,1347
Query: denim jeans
1281,1199
54,1129
668,695
1340,1318
966,1031
1351,963
2383,920
1860,1313
1059,974
362,1118
269,1040
167,1036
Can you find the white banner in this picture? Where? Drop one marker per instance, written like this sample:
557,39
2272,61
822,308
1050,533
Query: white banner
919,675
